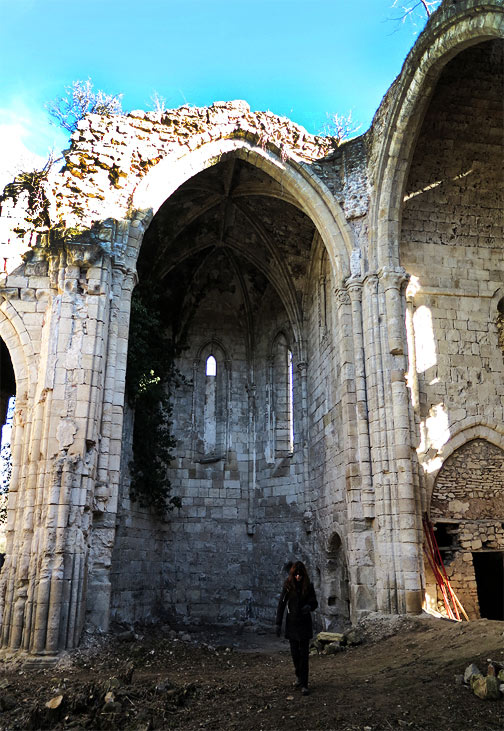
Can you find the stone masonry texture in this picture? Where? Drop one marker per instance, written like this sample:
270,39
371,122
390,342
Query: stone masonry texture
339,316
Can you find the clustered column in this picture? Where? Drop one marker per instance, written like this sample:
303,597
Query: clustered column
45,581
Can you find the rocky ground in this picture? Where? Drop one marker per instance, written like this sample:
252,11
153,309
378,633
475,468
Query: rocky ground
404,673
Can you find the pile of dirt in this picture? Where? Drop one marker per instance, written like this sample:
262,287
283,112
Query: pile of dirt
397,672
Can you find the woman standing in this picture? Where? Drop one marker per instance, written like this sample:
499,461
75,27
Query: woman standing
298,595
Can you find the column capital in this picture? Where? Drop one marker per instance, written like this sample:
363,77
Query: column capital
393,277
371,281
342,297
354,287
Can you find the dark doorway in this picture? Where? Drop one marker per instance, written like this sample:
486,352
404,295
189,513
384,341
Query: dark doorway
489,571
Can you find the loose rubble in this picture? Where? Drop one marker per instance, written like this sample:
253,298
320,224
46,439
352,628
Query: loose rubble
395,672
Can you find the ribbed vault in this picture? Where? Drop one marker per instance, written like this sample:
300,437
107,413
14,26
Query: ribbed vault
233,229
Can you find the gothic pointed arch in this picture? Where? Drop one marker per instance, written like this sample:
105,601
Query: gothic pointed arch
17,340
451,30
301,186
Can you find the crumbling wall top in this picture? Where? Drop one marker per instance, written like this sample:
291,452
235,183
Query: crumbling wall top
110,155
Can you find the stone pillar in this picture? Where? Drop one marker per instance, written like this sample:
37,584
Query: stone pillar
302,367
252,459
359,536
45,580
106,493
407,503
380,430
354,287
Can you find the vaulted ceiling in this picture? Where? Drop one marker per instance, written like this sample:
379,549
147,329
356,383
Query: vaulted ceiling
229,226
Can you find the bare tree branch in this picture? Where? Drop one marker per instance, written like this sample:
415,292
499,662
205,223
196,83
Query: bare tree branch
80,99
340,127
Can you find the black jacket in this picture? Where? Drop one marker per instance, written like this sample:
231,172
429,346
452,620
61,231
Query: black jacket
298,623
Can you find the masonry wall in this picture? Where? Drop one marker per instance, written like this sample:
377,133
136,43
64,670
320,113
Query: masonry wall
453,243
220,558
467,508
326,454
453,246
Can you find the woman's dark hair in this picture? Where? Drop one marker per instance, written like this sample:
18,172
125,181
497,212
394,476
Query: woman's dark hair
297,567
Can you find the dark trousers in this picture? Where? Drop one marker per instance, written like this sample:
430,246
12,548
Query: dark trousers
300,651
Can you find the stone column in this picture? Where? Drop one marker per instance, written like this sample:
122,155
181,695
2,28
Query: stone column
406,504
354,287
379,434
359,537
302,368
106,492
46,577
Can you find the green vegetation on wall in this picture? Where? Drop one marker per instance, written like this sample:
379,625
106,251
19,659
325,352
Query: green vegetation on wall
150,380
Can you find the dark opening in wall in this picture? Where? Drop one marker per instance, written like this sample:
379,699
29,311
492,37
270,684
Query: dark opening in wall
489,572
500,324
447,540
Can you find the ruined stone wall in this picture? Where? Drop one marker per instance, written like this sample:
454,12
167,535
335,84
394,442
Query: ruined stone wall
219,558
453,243
327,494
469,494
109,155
347,500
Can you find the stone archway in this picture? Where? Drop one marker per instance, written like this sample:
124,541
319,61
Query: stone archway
451,30
7,400
232,255
295,185
454,31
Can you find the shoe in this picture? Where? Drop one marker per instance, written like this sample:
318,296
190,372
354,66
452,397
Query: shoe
305,691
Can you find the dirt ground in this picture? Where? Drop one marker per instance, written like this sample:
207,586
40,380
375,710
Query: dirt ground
405,673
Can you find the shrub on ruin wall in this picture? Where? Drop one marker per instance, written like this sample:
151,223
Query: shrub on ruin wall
150,380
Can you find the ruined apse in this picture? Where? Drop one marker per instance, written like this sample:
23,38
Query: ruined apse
336,319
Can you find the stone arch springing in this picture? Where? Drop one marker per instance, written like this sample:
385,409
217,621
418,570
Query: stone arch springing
18,344
450,31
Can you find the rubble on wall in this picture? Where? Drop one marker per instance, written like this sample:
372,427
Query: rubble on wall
108,155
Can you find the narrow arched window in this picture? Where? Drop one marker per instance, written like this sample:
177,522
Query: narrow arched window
211,366
283,397
210,403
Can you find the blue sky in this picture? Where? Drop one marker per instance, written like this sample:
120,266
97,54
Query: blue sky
300,58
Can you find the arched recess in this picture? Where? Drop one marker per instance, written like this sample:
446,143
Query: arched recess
335,590
18,343
452,29
229,252
282,396
467,511
468,431
301,188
